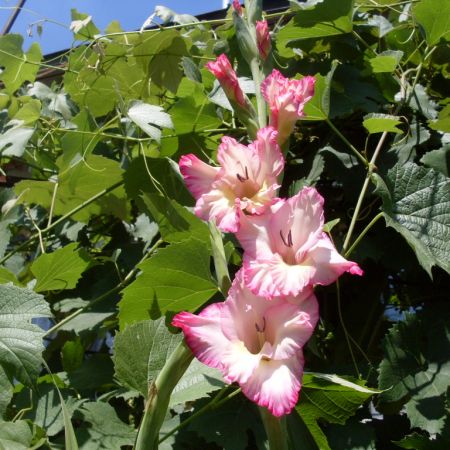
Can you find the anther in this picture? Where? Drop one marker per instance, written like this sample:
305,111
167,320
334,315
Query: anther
289,242
241,178
261,330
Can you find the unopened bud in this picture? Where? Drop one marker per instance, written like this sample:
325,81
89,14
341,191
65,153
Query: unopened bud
263,39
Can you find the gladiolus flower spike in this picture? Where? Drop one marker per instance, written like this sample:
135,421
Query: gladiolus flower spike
255,343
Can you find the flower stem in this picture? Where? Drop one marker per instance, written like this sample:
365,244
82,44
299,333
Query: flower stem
257,78
363,233
346,141
220,261
159,396
275,429
362,194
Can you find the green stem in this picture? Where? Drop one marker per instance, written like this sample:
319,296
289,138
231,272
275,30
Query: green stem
61,219
159,396
260,103
347,142
275,429
362,194
220,261
363,233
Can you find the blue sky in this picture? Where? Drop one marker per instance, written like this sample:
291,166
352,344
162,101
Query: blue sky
130,13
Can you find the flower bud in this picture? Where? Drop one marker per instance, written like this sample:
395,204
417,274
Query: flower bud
263,39
238,8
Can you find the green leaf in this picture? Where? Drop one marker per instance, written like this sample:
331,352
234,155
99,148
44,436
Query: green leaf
443,121
79,145
14,140
165,68
161,175
176,223
15,435
229,425
82,26
61,269
150,118
177,278
328,18
416,441
416,369
29,113
70,439
7,277
434,17
379,123
318,108
438,160
140,352
19,67
106,430
416,203
194,114
330,398
81,182
46,410
386,61
20,341
198,381
6,392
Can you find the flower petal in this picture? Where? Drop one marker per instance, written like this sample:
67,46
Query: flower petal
217,205
273,277
276,384
291,325
329,264
203,334
197,175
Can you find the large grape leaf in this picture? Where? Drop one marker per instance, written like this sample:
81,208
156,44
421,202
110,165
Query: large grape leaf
416,369
15,435
198,381
106,430
140,352
18,66
177,278
61,269
329,398
434,16
81,182
21,341
416,203
230,424
328,18
45,409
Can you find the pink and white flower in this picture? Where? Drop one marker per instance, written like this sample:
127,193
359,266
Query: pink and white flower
225,74
286,99
245,181
286,250
263,39
255,343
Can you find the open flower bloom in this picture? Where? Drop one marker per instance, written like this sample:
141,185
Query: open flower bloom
286,250
286,99
225,74
263,39
246,180
254,342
